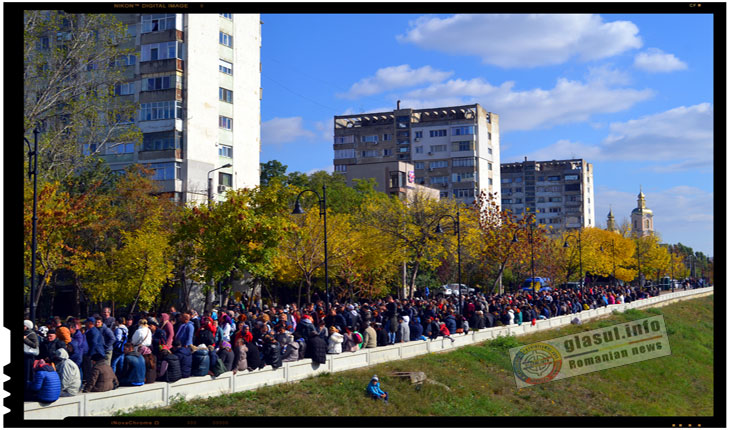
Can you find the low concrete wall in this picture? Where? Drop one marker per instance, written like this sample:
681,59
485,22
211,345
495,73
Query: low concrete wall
162,393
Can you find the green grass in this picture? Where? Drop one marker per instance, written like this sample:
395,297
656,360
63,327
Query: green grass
481,381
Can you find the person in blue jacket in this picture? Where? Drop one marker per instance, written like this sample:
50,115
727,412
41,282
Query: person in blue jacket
201,361
108,338
133,369
185,333
46,384
450,322
374,390
94,338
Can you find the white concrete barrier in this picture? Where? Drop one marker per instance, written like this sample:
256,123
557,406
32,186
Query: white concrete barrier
162,393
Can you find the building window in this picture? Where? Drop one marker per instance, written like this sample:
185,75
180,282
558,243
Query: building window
419,165
490,181
44,43
225,67
571,177
463,146
225,151
225,39
463,162
490,166
387,136
440,180
438,164
344,153
518,200
225,179
541,220
489,150
165,171
162,51
125,60
553,178
227,15
403,121
89,148
404,134
437,133
464,192
341,168
120,148
419,134
541,199
387,152
463,177
160,141
462,131
518,179
158,22
438,148
160,110
419,149
555,210
404,149
506,180
371,153
555,199
518,189
369,139
225,123
506,201
589,200
225,95
124,89
344,139
489,135
159,83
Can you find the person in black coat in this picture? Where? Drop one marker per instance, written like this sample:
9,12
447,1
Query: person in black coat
272,352
253,357
317,349
50,345
489,320
416,329
226,355
381,335
186,358
169,367
201,361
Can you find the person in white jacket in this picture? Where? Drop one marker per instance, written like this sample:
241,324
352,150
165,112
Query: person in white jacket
335,341
68,372
142,336
511,314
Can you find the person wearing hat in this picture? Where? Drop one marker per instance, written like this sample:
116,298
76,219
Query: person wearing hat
46,384
31,349
374,390
201,360
68,372
50,345
102,377
335,340
225,353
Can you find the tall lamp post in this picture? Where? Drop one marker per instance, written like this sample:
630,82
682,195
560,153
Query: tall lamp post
579,238
34,245
210,204
531,224
322,214
457,231
671,266
613,260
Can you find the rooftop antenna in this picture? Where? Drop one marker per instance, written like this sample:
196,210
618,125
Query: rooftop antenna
398,105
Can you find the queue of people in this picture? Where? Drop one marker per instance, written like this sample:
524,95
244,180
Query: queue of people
101,353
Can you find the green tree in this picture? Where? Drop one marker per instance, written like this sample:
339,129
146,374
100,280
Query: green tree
270,170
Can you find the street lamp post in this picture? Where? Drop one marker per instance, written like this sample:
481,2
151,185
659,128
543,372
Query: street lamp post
210,182
322,200
531,224
34,244
210,205
580,252
671,266
457,230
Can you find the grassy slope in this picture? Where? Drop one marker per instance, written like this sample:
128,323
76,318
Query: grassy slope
482,383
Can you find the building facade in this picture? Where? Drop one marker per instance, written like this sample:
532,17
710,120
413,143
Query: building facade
395,178
453,149
560,192
642,218
197,81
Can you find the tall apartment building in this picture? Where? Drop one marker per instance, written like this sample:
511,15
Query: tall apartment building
561,191
197,81
453,149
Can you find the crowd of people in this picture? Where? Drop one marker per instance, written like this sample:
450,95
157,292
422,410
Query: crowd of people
101,353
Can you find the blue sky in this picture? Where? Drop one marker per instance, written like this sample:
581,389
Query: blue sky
632,94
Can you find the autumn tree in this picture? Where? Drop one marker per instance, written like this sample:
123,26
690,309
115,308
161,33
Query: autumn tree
72,65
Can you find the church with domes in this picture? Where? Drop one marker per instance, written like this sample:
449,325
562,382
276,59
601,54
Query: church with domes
642,218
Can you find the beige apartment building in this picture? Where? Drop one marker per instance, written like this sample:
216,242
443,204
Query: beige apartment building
559,191
454,150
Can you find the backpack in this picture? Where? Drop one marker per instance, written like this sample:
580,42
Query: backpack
357,338
119,345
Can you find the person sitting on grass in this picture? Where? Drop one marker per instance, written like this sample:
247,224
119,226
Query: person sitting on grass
374,390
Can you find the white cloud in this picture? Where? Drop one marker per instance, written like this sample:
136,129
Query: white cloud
524,40
390,78
680,139
284,130
328,169
681,213
653,60
568,102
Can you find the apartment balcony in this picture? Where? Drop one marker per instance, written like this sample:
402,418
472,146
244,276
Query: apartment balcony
161,66
164,155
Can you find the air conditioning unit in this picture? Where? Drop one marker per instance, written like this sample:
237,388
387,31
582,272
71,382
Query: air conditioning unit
222,188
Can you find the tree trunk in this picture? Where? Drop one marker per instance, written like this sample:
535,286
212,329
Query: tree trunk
139,290
416,265
309,291
299,294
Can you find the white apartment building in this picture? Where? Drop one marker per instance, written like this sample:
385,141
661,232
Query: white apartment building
197,81
453,149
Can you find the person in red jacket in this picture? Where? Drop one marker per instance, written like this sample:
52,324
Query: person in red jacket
445,332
